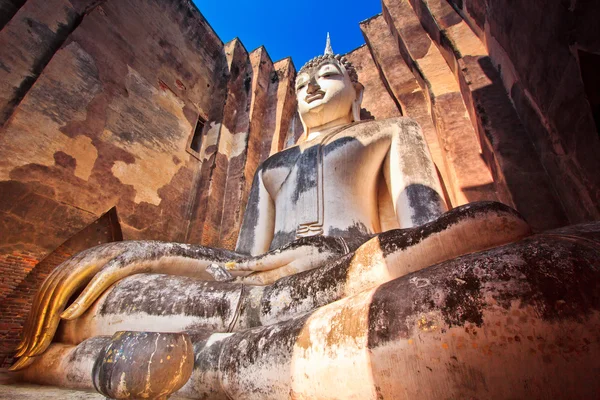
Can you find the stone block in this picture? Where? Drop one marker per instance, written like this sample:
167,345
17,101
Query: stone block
286,102
377,101
231,153
469,176
8,8
504,140
406,90
533,46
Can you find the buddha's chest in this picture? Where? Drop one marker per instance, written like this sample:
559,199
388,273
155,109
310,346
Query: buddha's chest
322,167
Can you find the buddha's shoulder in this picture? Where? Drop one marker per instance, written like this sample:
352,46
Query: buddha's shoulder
386,124
282,159
381,127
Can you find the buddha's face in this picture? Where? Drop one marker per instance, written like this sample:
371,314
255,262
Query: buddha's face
325,93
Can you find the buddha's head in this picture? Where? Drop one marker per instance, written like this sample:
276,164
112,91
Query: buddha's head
328,90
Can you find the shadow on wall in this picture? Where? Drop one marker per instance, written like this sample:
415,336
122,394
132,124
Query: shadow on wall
365,115
508,150
589,65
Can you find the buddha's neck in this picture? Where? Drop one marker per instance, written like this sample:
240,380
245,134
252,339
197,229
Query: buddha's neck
317,131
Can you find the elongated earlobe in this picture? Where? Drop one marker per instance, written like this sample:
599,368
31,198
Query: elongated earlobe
305,130
360,89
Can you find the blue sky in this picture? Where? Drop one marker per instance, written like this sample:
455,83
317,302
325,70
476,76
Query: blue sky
285,28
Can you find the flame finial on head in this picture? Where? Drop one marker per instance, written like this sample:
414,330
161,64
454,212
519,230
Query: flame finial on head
330,55
328,49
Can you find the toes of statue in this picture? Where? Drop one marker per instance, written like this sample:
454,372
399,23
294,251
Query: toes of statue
143,365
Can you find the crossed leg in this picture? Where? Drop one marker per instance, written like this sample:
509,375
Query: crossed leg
186,304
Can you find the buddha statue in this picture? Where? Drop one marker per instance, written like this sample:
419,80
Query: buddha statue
333,253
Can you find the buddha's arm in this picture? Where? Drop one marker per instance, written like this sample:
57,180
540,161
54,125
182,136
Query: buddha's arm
257,228
412,178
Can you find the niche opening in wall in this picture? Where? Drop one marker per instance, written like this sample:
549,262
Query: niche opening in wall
195,141
589,64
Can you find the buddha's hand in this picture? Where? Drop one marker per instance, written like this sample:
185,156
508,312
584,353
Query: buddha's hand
98,268
300,255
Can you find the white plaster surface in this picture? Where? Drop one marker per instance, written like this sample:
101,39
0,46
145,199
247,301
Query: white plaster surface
36,392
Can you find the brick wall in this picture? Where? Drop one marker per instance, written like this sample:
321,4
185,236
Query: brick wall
13,268
15,307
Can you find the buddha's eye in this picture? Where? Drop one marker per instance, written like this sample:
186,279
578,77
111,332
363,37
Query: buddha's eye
300,86
328,74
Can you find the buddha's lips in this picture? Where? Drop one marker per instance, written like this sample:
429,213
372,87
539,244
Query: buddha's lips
318,95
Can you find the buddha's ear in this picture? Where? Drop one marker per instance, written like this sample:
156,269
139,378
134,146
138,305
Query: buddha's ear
360,89
305,131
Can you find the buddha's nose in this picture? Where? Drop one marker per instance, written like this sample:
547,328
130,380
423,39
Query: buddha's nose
312,87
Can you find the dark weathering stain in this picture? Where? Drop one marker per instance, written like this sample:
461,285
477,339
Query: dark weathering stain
88,347
425,203
355,235
282,238
125,136
159,295
64,160
563,274
246,350
558,276
246,236
463,301
284,159
319,286
4,67
398,239
336,144
306,172
305,290
248,83
87,350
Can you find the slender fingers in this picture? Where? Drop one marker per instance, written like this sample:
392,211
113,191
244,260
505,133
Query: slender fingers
29,331
21,363
29,321
262,278
45,308
39,312
112,272
63,293
35,318
39,297
273,259
32,311
71,279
